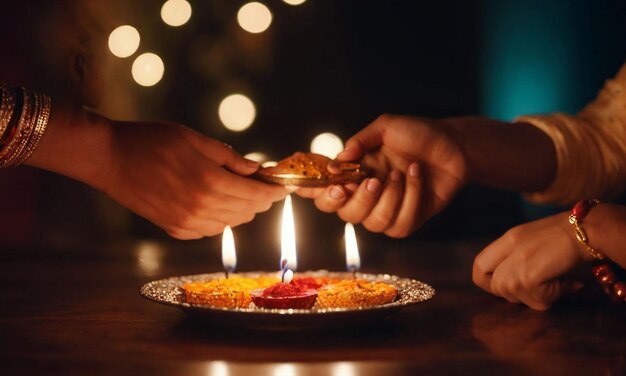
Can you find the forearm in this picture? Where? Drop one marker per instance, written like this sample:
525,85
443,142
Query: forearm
516,157
76,144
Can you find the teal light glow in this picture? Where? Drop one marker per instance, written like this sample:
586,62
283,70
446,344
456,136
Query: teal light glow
529,58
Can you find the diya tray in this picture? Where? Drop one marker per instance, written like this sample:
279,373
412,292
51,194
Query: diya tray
170,292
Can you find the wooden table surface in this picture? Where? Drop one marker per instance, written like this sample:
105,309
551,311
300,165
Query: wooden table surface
78,311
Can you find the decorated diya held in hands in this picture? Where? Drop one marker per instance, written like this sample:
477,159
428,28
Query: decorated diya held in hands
311,170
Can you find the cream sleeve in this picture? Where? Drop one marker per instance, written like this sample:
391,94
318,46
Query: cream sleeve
590,147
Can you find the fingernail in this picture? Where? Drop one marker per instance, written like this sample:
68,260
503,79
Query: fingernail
373,185
395,175
336,193
343,151
252,163
413,170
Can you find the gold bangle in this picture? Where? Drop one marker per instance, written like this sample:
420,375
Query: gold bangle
578,213
7,107
42,117
20,130
28,130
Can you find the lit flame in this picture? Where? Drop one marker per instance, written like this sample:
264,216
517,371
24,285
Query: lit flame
229,257
353,261
288,237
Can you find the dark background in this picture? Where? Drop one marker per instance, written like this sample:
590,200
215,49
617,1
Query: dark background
334,66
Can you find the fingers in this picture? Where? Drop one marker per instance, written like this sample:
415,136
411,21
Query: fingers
408,214
358,207
331,199
242,187
370,137
486,262
385,211
222,154
310,192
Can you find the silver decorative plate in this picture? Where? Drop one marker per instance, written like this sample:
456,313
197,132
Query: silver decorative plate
169,292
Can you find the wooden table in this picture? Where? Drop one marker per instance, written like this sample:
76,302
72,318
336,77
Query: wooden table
78,311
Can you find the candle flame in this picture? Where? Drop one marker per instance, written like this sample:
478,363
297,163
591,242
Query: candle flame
229,257
353,260
288,236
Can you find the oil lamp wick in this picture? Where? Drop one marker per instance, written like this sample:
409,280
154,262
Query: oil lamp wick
352,268
228,270
283,267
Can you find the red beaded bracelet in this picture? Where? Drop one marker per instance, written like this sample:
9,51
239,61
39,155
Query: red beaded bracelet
608,277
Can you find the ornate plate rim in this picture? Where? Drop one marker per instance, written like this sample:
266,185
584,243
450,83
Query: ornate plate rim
168,291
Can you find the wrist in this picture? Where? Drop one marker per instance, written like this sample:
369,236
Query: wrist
604,226
526,159
76,144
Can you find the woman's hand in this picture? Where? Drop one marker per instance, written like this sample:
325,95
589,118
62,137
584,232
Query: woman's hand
417,169
189,185
529,263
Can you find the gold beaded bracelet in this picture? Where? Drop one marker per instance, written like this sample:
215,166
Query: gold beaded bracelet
578,213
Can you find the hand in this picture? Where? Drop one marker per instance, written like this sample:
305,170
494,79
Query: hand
187,184
529,263
417,169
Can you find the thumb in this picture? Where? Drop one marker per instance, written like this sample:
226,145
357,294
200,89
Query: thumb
371,137
221,153
225,155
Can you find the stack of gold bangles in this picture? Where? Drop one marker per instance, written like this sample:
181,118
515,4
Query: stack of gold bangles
24,116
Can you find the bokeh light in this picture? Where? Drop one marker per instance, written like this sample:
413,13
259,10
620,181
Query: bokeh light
254,17
148,69
257,157
176,12
327,144
237,112
294,2
124,41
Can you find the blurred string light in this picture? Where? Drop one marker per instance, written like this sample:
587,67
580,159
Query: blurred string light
149,257
257,157
176,12
254,17
343,369
218,368
294,2
124,41
148,69
285,369
237,112
327,144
